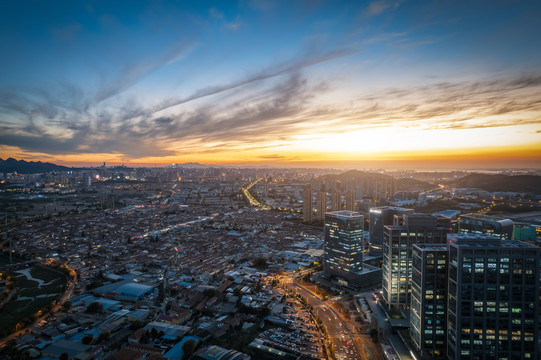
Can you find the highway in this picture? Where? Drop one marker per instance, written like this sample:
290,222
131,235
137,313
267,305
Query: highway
347,342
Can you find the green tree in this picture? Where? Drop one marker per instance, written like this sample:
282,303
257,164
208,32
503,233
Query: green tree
87,339
260,263
94,307
188,348
104,336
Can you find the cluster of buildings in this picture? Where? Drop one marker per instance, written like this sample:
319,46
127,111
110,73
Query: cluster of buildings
184,270
465,288
175,255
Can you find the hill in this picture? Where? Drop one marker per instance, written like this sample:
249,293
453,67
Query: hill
492,183
402,184
29,167
407,184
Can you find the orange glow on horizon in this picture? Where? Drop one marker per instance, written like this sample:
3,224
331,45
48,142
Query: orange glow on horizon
523,156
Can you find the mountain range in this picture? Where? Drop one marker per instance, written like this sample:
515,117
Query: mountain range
29,167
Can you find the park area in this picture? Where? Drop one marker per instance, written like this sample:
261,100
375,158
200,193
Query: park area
37,287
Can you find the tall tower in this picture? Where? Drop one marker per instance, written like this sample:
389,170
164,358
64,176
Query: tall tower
428,315
350,200
379,217
321,205
336,201
397,253
493,298
343,243
307,203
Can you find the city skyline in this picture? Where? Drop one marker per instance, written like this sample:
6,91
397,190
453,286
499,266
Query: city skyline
345,84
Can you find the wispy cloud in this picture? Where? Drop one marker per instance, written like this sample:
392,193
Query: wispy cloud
269,73
215,13
263,111
378,7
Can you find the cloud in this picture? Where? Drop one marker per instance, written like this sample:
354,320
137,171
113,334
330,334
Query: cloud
232,25
132,73
263,110
274,71
215,13
378,7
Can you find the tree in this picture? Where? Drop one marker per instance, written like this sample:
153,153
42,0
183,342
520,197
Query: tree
104,336
64,356
87,339
188,348
260,263
94,307
374,336
67,305
209,293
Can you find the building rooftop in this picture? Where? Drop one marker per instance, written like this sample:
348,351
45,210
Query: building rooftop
431,247
481,240
345,214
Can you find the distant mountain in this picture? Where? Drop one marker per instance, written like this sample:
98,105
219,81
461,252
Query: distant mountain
492,183
29,167
408,184
354,175
196,165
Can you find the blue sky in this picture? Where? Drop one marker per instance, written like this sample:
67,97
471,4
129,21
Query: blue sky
249,81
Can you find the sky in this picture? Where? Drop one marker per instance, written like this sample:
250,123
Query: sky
428,84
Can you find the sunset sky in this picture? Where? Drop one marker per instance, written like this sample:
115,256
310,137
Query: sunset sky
259,82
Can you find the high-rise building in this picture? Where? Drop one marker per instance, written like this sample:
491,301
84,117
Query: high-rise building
350,200
397,253
321,205
379,217
486,224
336,201
343,243
428,313
307,203
493,298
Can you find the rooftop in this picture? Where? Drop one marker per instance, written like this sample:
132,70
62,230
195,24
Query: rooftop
482,240
432,247
344,214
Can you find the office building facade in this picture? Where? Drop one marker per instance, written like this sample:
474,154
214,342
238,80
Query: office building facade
307,203
428,313
493,298
397,253
486,224
350,200
321,205
343,255
379,217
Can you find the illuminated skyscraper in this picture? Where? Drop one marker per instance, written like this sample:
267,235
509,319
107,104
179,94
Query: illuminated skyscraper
428,315
343,243
397,253
493,298
379,217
